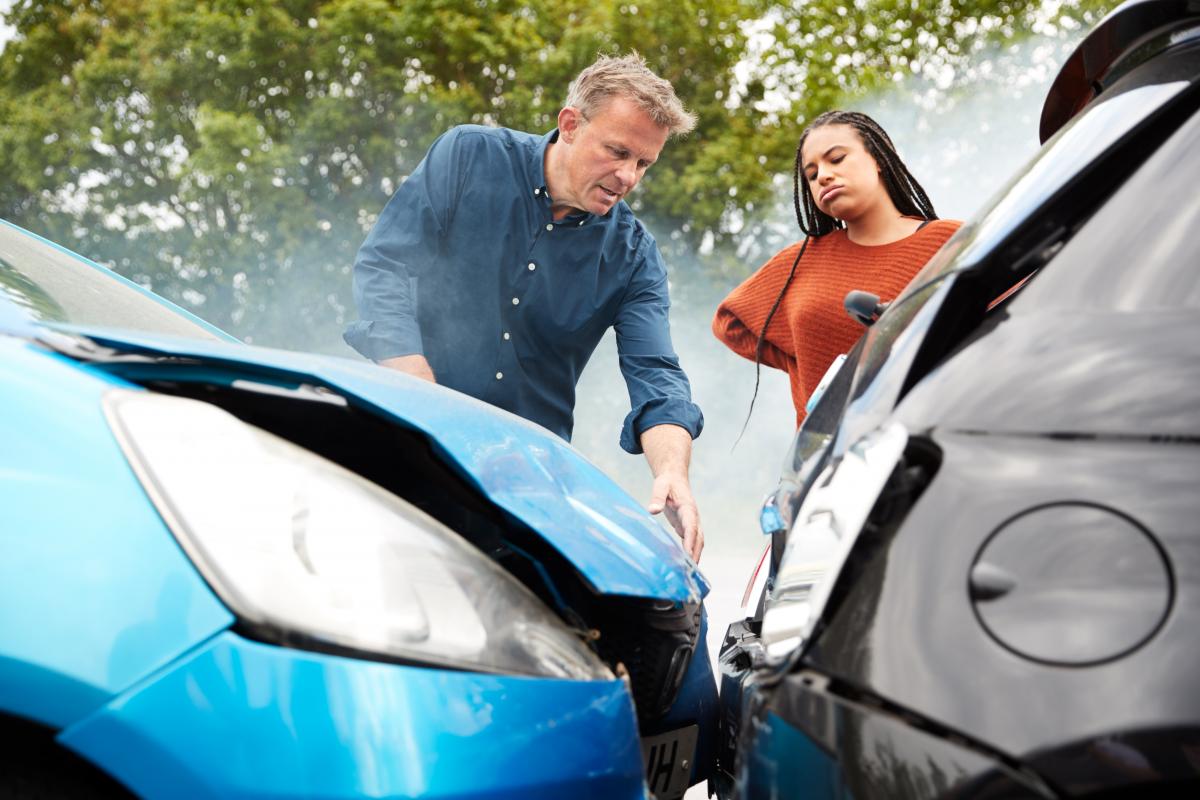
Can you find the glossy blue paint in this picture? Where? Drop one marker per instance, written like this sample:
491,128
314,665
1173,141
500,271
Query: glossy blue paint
108,632
786,762
697,703
94,592
118,278
526,470
15,321
242,719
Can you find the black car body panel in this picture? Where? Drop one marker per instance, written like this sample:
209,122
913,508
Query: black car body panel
815,741
1018,614
1024,229
921,644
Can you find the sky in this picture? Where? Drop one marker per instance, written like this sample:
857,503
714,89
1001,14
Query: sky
6,31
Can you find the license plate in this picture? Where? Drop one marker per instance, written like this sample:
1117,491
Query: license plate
668,760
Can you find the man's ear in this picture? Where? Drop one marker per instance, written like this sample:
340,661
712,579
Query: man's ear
570,120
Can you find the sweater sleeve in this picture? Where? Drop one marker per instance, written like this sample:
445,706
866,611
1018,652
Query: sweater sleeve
733,331
740,317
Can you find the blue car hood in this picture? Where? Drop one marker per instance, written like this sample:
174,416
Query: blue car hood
521,467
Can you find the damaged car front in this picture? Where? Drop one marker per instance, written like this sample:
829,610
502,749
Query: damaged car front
236,571
985,578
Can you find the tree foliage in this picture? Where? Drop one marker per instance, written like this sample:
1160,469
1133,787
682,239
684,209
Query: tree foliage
232,154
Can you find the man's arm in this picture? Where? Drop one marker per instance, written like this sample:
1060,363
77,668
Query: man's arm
662,420
404,244
668,448
414,365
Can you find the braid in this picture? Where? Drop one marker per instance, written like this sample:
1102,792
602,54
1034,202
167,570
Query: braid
762,336
906,193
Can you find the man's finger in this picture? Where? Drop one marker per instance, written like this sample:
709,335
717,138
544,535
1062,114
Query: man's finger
689,528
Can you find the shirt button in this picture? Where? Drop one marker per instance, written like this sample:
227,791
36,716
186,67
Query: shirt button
516,301
532,266
499,376
507,336
549,226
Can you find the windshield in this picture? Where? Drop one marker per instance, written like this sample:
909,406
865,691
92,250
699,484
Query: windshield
1079,143
51,285
1105,270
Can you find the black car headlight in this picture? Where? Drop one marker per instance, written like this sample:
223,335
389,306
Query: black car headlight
291,541
829,520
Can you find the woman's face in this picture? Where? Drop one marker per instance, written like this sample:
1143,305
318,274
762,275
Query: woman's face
843,177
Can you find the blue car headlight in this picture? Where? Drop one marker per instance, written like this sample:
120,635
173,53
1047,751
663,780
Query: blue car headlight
291,541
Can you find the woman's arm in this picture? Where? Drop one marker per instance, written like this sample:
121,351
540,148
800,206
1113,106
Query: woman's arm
741,339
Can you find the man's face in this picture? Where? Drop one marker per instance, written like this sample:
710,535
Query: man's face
606,154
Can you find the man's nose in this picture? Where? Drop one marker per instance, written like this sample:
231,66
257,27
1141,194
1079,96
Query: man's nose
627,175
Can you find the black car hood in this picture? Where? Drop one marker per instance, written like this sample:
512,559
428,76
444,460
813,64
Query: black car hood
1103,374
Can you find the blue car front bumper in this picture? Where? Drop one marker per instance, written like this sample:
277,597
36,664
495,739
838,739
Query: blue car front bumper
237,718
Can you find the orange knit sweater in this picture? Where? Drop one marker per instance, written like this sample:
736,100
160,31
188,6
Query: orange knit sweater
811,327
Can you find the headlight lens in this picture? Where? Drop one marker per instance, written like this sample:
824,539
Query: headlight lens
830,519
292,541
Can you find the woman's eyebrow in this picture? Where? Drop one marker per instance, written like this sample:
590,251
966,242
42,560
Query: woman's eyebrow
823,155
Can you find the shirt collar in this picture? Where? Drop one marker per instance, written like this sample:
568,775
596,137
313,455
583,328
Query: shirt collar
537,164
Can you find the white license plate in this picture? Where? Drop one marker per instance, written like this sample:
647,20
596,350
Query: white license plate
668,760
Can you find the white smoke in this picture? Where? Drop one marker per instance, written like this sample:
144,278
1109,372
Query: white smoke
962,143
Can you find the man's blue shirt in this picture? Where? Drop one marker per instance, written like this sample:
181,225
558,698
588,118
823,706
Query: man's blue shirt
466,266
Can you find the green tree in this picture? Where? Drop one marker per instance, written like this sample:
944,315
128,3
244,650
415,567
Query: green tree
232,154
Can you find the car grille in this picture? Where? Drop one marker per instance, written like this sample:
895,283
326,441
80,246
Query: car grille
654,640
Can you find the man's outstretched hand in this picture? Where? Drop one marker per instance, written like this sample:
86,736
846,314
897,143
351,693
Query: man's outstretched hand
414,365
668,448
672,496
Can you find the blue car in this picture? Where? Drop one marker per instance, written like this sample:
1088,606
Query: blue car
234,571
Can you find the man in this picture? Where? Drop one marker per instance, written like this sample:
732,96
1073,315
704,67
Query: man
500,262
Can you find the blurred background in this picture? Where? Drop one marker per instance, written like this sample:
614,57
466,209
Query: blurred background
232,154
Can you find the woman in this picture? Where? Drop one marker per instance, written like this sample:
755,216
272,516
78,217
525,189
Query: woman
869,226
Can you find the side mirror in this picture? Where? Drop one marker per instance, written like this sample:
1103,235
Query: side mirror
863,307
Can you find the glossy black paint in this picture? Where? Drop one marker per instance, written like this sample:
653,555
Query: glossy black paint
813,743
1145,763
1084,389
1078,584
1104,341
906,629
1058,431
1018,237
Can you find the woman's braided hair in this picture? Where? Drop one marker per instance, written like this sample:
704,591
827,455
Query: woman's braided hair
907,195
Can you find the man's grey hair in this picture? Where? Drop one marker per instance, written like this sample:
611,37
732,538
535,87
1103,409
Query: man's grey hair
629,77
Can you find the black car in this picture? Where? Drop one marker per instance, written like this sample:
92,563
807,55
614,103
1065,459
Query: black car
985,578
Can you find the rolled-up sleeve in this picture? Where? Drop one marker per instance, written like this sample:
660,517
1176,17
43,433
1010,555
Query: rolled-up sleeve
659,392
404,244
